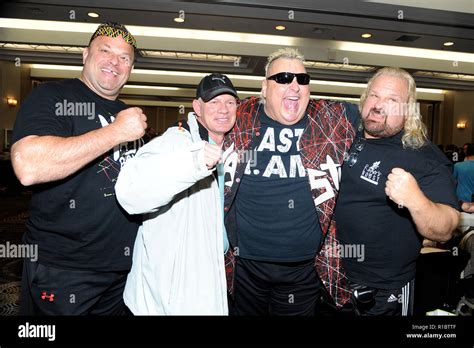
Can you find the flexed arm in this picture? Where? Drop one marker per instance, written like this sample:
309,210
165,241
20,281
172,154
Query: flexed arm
40,159
434,221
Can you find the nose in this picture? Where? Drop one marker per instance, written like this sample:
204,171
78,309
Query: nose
223,108
294,85
114,59
379,104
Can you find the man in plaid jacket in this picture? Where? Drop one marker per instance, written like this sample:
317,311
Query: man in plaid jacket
282,170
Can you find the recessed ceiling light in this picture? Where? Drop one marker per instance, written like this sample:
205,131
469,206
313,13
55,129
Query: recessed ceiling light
93,14
366,35
448,43
200,75
280,27
237,37
178,20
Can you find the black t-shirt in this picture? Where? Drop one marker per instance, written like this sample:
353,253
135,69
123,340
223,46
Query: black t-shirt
368,221
77,222
276,216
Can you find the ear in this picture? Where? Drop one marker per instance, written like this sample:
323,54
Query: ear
197,107
85,53
264,88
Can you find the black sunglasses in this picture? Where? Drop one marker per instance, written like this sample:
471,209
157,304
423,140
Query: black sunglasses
354,156
285,78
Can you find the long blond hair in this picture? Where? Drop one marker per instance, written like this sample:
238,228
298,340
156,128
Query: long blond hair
415,134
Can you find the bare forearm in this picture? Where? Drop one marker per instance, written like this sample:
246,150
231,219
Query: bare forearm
40,159
435,221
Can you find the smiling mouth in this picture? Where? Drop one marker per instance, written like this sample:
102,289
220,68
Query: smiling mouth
109,71
291,102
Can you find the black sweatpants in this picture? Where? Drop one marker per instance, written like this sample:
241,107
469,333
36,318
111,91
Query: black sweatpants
394,302
283,289
48,290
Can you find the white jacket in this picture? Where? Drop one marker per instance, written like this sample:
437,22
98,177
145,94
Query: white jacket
178,258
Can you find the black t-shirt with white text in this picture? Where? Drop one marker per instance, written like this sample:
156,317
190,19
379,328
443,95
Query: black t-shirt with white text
276,216
367,220
77,222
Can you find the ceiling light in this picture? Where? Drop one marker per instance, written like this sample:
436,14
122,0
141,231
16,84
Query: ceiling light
405,51
334,98
160,32
366,35
178,20
231,76
37,47
190,56
141,102
280,27
93,14
448,43
438,75
209,35
164,88
337,66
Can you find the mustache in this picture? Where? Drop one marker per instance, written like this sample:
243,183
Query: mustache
378,112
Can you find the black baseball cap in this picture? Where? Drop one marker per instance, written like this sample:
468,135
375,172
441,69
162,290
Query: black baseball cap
213,85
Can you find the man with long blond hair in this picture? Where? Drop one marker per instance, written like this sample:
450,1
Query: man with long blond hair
396,188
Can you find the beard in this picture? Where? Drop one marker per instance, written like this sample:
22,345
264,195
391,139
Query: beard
379,128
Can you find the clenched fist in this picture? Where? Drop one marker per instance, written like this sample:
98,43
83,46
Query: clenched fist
130,124
402,188
212,155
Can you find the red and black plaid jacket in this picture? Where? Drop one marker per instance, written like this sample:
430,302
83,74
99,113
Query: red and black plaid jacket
326,138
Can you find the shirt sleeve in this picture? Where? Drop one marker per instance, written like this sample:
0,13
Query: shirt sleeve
352,113
438,184
455,171
161,169
41,114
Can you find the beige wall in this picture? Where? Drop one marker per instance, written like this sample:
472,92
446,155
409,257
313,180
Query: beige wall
167,116
463,110
10,86
160,117
457,106
16,82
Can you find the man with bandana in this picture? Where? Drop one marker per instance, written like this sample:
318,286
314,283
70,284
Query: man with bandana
70,141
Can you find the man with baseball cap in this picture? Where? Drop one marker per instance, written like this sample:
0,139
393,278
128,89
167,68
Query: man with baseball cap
71,139
178,261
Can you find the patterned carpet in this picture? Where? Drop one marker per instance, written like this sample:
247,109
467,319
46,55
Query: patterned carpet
9,298
13,215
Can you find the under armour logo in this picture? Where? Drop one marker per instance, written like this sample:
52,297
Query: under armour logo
44,296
